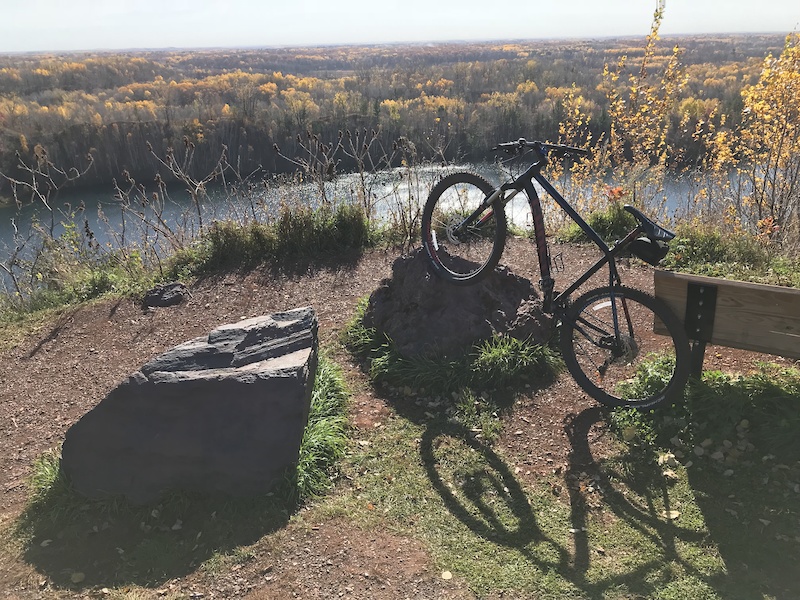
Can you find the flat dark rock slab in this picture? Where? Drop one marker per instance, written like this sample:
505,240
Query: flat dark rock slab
221,413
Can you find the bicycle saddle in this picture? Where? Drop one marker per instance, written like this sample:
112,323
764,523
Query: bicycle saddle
651,229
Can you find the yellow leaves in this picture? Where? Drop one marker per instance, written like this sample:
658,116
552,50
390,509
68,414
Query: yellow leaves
442,85
527,87
436,103
770,135
503,101
268,89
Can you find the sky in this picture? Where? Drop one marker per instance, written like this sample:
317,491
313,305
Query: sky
74,25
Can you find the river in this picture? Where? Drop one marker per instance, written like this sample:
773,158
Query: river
391,193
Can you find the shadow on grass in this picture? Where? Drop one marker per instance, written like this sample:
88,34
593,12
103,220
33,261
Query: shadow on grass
640,533
489,476
486,496
753,518
79,543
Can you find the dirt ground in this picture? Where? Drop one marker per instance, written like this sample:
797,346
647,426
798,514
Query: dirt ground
67,366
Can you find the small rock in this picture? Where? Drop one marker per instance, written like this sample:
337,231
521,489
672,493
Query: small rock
167,294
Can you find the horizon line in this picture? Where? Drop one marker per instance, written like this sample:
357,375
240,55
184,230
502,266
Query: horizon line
134,49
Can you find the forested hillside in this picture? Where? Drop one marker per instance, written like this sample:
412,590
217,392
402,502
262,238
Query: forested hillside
453,101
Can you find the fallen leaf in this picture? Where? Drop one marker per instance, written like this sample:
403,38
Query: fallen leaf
447,575
670,474
670,514
46,543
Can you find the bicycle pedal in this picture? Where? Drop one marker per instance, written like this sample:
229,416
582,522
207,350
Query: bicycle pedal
557,263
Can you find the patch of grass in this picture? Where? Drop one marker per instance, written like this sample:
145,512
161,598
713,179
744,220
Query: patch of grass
67,273
705,250
296,233
325,438
504,360
474,387
504,534
77,282
762,408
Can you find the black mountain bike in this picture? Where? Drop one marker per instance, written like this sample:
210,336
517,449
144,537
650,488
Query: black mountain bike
605,333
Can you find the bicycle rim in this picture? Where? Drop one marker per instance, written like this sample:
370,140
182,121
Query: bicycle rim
631,364
463,242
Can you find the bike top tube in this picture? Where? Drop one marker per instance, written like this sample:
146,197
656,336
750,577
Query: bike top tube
533,172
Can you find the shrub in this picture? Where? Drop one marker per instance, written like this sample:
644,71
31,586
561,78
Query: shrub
296,233
612,224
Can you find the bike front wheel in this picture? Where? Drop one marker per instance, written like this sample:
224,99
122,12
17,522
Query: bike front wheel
611,348
463,239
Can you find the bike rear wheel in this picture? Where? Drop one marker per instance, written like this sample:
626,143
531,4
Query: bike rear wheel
638,367
463,243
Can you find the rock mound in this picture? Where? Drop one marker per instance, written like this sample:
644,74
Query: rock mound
423,314
220,413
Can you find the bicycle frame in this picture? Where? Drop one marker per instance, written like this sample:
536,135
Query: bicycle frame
603,331
525,183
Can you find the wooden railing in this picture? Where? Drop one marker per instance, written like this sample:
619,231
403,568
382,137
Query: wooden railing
737,314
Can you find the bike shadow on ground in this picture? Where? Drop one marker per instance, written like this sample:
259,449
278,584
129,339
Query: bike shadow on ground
471,494
487,497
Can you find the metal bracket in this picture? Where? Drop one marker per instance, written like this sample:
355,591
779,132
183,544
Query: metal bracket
701,307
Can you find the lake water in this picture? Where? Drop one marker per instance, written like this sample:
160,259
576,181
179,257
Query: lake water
391,192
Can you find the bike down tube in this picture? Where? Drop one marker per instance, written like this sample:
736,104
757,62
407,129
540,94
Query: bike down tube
546,283
573,214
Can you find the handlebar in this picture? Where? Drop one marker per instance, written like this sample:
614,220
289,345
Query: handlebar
542,148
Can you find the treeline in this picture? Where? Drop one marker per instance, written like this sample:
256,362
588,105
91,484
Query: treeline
451,101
